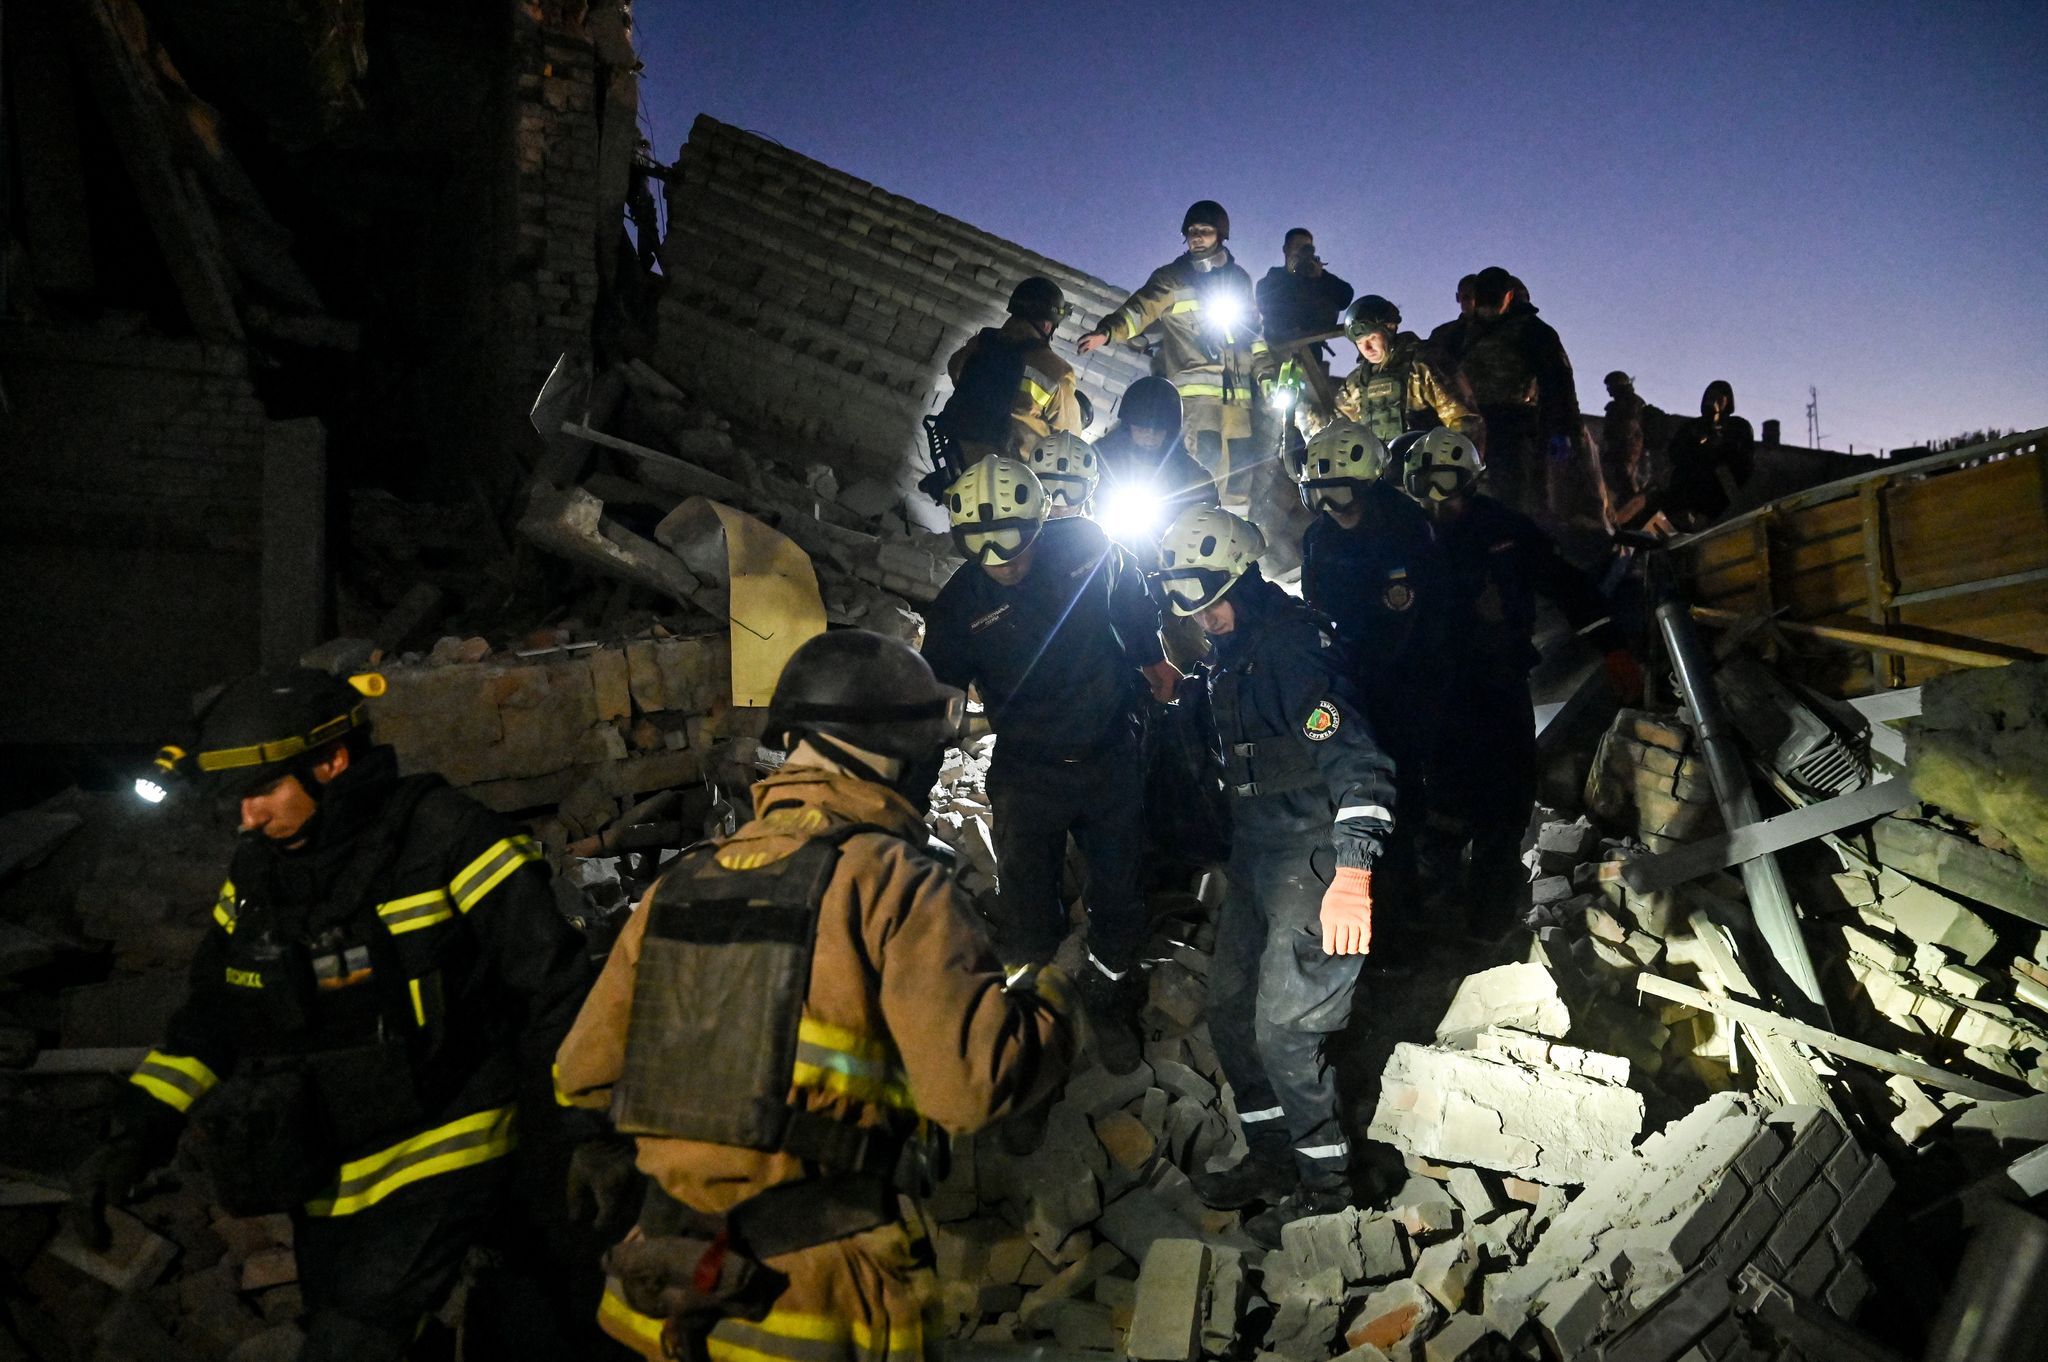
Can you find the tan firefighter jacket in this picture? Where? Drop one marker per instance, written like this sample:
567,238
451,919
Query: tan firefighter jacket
1202,361
1047,397
906,1019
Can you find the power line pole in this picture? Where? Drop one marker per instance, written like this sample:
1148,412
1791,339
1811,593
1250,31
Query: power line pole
1813,418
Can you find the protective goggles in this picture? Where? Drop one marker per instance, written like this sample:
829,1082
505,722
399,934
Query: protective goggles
1437,481
1064,489
950,708
1194,589
1317,493
995,541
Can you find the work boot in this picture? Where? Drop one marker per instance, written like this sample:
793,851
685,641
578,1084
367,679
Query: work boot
1261,1175
1111,1006
1264,1228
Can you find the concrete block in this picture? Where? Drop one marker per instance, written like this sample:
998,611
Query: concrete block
1167,1318
1424,1209
1130,1146
1392,1316
1522,996
1467,1338
1682,1239
1572,1314
1445,1271
1814,1269
1183,1082
1318,1243
1307,1318
1933,918
1546,1126
1227,1289
1802,1220
1383,1250
1860,1205
1848,1290
1541,1053
1069,1281
1475,1195
135,1255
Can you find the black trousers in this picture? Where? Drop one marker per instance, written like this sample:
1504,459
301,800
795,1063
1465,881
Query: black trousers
1482,790
1036,803
1274,995
371,1278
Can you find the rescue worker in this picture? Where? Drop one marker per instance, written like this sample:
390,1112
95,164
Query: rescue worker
1311,797
1394,389
1621,449
1707,459
1482,766
1209,345
1067,470
1009,389
1052,625
1521,381
1368,563
1148,476
347,1050
782,1012
1445,346
1299,297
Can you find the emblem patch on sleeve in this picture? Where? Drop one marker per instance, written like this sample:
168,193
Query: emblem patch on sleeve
1398,595
1321,722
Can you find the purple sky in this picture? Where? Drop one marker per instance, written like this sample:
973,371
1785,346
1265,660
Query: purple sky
1845,195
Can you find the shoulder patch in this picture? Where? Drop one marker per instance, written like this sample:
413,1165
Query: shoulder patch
1322,721
1398,595
989,619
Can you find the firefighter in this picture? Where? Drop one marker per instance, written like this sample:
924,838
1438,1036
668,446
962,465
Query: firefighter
1394,389
1210,345
782,1013
1369,563
1148,476
347,1050
1052,625
1482,764
1311,796
1521,381
1067,470
1009,389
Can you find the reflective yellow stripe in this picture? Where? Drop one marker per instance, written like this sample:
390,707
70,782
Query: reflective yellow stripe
799,1336
627,1325
1039,396
268,753
1187,305
415,911
175,1080
597,1099
836,1060
462,1143
1259,346
224,907
1200,389
743,860
1129,318
484,874
419,1007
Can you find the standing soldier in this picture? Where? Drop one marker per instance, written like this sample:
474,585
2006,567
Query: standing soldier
1621,448
1368,562
383,948
1052,625
1495,562
1521,381
1210,344
1445,346
1009,389
1311,807
1394,389
782,1012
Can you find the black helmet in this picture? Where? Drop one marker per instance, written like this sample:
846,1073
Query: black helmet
1210,213
1371,313
867,690
1618,379
268,725
1039,299
1151,401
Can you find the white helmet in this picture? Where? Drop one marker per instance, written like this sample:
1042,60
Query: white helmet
1438,464
1342,455
1066,467
1202,553
996,508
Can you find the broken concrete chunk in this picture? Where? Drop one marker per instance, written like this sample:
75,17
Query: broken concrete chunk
1933,918
135,1255
1167,1319
1468,1338
1308,1317
1392,1316
1424,1209
1544,1125
1520,996
1445,1271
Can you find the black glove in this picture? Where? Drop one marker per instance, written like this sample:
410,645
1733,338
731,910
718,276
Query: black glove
106,1178
601,1176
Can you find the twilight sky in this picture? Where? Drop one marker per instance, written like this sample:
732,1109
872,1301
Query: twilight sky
1852,196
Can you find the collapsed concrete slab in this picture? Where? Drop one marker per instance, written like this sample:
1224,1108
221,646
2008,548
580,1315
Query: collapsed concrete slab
1542,1124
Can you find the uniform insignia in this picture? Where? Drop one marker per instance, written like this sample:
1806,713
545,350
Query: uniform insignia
1321,722
1398,595
986,620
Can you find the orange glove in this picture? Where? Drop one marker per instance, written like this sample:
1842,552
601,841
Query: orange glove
1625,674
1164,678
1347,912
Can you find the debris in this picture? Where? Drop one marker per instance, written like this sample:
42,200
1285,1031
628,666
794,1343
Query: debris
1166,1323
1520,996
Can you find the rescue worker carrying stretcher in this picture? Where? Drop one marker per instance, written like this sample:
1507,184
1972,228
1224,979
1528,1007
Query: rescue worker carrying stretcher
346,1053
1053,626
1311,795
1209,345
1009,389
786,1009
1482,765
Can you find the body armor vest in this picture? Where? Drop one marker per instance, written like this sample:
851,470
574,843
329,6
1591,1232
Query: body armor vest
1383,404
1257,763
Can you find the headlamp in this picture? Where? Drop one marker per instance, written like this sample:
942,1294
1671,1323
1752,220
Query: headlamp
1282,399
166,772
1131,513
1224,311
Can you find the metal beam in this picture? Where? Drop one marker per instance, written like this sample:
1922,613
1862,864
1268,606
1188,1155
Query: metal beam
1647,874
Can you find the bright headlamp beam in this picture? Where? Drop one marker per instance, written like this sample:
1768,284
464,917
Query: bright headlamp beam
148,791
1130,511
1224,311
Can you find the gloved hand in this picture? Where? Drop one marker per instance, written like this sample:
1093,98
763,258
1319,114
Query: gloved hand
1347,912
1624,674
1093,340
106,1178
1164,679
600,1178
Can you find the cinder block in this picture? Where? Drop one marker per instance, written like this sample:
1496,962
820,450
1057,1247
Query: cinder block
1445,1271
1572,1315
1167,1319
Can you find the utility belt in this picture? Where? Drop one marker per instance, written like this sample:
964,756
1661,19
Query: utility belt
1276,764
690,1269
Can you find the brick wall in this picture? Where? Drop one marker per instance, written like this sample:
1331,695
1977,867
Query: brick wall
548,299
130,531
824,307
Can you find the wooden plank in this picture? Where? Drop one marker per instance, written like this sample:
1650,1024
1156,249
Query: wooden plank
1885,1061
1877,582
1968,526
1960,866
1647,874
1790,1072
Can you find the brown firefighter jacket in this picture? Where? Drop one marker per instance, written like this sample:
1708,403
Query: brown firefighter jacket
1199,359
906,1017
1047,397
1405,392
